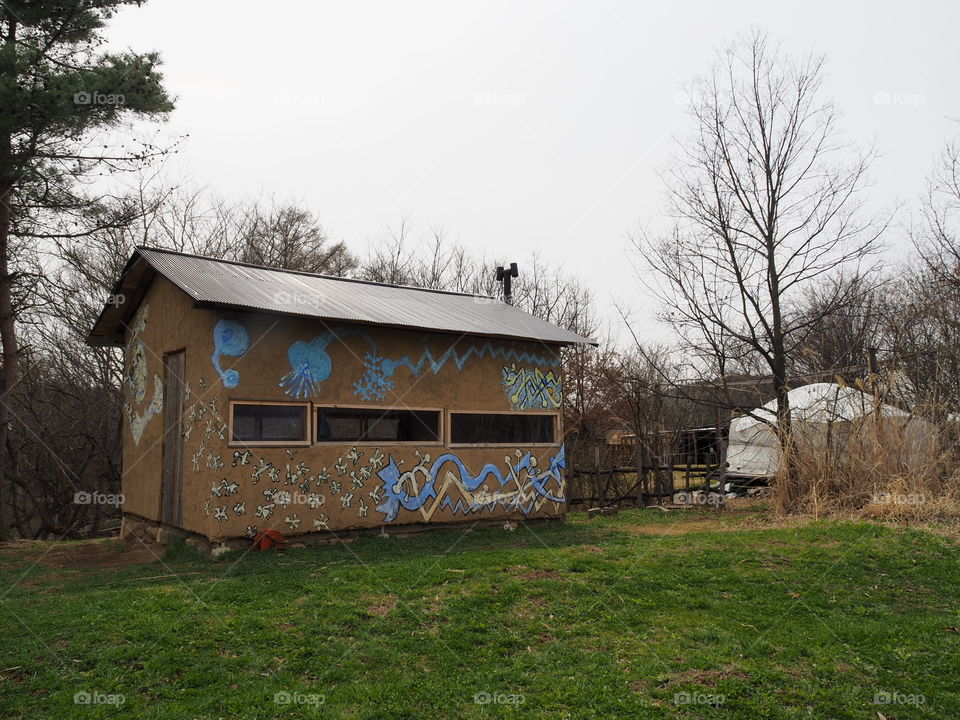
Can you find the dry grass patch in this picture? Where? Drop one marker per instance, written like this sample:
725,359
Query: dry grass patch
530,608
447,591
706,678
522,572
899,467
380,605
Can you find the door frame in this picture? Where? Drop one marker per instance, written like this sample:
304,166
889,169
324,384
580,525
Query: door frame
171,466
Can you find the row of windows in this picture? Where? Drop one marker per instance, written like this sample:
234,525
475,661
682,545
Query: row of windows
288,423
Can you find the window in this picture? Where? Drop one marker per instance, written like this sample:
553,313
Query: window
264,423
502,428
377,425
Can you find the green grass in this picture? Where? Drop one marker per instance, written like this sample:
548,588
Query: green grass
601,619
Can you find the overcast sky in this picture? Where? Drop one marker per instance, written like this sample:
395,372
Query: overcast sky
518,126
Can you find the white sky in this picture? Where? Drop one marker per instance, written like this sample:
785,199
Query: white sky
518,126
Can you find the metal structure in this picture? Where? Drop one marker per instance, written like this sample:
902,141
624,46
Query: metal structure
222,284
505,276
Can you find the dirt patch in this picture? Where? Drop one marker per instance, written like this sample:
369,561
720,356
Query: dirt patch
532,607
639,686
382,606
680,527
522,572
100,554
16,674
706,678
738,515
47,583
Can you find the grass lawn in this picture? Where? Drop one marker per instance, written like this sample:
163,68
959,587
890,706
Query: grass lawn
692,614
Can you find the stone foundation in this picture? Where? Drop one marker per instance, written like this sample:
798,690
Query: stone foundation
134,527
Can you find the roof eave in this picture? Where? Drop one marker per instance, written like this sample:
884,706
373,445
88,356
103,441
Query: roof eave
115,335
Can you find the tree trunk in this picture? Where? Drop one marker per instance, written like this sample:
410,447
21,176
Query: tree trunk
785,426
778,366
8,338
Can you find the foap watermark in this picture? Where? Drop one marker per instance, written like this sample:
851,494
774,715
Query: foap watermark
486,300
95,697
498,698
96,497
288,297
283,498
698,498
98,98
892,498
886,97
698,698
887,697
116,299
284,697
498,98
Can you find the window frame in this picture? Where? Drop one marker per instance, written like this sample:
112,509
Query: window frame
272,443
442,428
557,428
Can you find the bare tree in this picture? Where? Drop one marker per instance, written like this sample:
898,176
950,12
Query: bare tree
404,256
766,200
644,386
938,237
840,339
924,331
289,237
394,258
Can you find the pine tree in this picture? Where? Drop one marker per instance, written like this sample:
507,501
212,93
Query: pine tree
61,96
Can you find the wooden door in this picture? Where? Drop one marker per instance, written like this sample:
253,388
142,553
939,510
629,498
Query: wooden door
174,369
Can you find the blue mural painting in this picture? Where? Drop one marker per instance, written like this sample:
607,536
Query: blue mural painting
310,364
447,483
532,388
230,338
137,379
484,349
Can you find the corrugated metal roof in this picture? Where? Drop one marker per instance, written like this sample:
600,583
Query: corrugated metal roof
221,283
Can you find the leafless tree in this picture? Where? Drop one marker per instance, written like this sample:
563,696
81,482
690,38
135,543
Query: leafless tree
839,340
289,237
938,237
644,382
395,259
924,330
405,256
766,199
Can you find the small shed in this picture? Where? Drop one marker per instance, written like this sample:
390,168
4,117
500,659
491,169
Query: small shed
258,398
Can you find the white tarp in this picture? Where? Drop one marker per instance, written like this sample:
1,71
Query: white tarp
753,449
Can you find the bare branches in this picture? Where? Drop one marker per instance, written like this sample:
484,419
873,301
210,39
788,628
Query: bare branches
765,198
938,238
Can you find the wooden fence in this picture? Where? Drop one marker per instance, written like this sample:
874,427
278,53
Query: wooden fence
653,484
